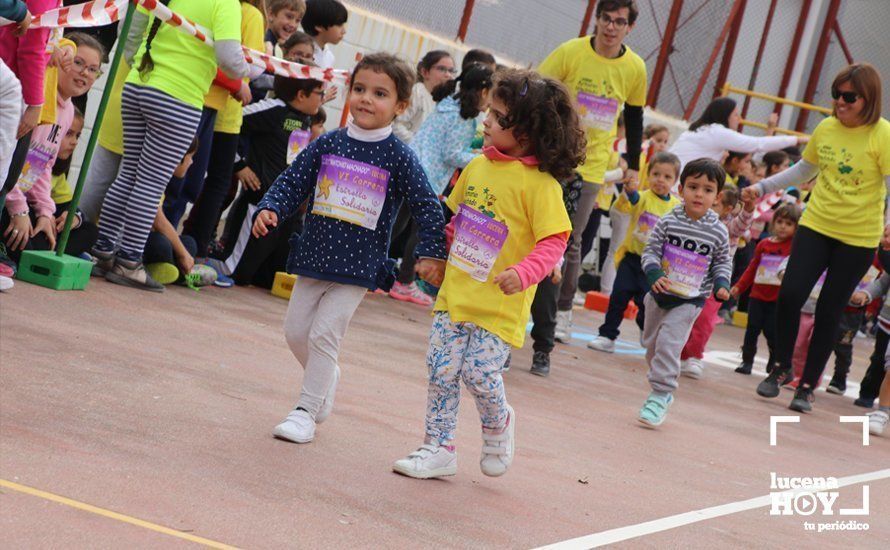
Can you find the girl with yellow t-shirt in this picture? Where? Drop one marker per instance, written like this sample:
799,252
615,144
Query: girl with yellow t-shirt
509,233
849,154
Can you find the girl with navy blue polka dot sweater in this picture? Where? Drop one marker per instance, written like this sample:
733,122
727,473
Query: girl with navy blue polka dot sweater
355,180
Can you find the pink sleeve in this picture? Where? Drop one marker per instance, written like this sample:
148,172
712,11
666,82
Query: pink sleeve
31,56
541,260
16,202
740,224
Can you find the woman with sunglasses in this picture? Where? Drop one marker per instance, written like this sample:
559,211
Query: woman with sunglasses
436,67
849,153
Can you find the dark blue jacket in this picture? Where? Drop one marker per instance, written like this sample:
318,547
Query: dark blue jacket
333,250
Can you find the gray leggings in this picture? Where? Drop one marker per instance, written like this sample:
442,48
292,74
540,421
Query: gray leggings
572,268
103,171
317,318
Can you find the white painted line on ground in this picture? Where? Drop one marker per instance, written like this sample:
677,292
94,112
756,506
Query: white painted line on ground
671,522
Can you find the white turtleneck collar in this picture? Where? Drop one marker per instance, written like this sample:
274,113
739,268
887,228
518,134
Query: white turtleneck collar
378,134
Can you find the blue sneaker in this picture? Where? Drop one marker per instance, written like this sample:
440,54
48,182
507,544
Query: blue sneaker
223,281
655,409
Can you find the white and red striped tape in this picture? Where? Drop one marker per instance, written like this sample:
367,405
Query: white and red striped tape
105,12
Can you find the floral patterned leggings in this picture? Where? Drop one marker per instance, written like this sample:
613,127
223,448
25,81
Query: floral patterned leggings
464,351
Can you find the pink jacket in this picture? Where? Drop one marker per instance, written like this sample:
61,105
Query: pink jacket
35,183
26,55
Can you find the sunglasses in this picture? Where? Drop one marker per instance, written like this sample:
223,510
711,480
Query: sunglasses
848,97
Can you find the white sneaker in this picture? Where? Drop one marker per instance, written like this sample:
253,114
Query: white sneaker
601,343
5,283
563,327
692,368
328,404
498,449
877,421
297,427
426,462
580,299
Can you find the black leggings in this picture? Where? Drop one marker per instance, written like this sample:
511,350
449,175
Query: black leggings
811,254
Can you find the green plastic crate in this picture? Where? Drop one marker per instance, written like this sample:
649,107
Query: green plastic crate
45,268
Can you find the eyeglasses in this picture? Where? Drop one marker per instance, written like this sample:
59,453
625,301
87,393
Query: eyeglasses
444,69
619,23
849,97
81,67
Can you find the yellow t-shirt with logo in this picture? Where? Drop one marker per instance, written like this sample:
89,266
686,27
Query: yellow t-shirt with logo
643,216
184,67
600,87
847,202
228,120
529,203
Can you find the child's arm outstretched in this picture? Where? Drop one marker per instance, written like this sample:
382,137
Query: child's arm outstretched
427,213
651,258
747,278
289,191
875,289
721,269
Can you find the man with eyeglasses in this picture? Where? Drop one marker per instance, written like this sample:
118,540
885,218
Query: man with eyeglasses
603,75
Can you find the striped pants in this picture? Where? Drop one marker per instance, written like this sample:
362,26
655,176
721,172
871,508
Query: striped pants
158,130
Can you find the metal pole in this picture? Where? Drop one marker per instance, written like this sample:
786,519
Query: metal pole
754,70
710,65
840,40
729,51
667,47
465,20
792,54
97,125
818,62
588,14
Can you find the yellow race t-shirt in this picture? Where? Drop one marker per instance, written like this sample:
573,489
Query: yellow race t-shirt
503,208
184,67
228,120
643,216
600,87
847,202
61,191
111,134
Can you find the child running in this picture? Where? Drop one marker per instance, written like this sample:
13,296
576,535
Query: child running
510,230
355,179
645,210
686,258
762,276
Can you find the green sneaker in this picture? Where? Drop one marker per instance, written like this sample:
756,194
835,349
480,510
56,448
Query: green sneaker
655,409
163,272
200,275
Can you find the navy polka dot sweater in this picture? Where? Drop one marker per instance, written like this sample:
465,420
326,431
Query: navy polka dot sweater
343,252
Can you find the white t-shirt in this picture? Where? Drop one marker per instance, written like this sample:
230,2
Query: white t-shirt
323,57
712,140
422,104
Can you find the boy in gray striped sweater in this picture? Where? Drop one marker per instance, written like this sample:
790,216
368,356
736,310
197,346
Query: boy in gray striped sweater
686,258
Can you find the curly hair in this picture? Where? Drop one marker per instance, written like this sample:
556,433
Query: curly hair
541,111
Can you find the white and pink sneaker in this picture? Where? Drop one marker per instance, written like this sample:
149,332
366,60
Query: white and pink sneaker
410,293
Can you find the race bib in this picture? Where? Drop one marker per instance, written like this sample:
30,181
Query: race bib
597,112
685,269
478,240
870,276
36,164
644,226
350,191
768,270
297,141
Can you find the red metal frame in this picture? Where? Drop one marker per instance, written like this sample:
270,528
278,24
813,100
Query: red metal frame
818,62
759,57
667,46
840,40
729,50
792,54
465,20
588,15
710,65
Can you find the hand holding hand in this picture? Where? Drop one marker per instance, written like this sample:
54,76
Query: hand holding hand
509,281
266,220
431,270
734,292
859,298
750,194
661,286
722,295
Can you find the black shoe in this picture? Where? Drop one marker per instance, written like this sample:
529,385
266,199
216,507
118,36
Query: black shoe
541,363
865,402
837,387
770,385
803,399
506,367
770,366
744,368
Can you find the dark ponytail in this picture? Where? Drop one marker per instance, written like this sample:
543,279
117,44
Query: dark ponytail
147,64
472,81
